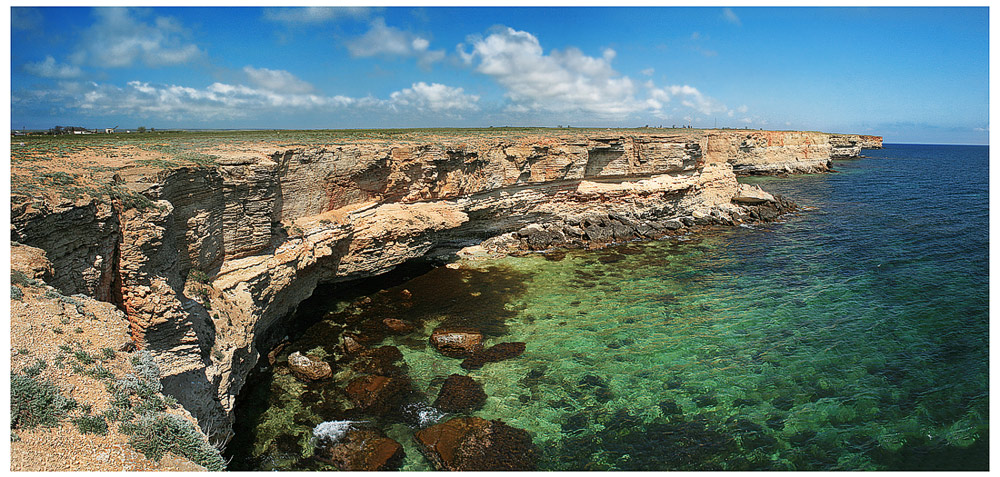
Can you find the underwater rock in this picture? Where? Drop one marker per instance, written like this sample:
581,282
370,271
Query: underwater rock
460,394
472,443
457,342
309,368
380,361
362,450
374,394
397,326
498,352
349,344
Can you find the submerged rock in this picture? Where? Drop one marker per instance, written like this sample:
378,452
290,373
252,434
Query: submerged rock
361,450
399,327
457,342
374,394
460,394
498,352
381,360
309,368
472,443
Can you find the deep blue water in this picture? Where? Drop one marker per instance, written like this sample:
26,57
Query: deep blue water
851,336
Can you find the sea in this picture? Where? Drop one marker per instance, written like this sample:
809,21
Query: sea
850,335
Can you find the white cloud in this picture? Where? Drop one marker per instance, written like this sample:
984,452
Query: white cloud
384,40
313,14
436,97
50,69
648,72
119,39
561,81
742,109
730,16
226,102
569,81
277,80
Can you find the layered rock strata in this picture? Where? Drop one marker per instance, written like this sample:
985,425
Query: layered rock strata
225,252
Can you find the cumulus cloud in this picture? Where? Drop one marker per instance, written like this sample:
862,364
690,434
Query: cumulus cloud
119,39
48,68
730,16
277,80
561,81
570,81
384,40
299,15
436,97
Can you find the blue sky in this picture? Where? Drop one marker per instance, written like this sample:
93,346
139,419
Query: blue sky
910,74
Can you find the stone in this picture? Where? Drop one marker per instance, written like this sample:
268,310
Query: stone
498,352
362,450
377,395
349,344
475,444
749,194
381,360
399,327
460,394
309,368
456,342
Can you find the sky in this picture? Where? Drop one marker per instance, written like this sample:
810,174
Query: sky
917,75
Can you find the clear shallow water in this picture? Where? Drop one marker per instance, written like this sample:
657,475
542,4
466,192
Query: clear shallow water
852,336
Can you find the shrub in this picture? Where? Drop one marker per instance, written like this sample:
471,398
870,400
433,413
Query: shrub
18,277
36,402
198,276
16,293
156,434
91,425
107,353
35,369
83,357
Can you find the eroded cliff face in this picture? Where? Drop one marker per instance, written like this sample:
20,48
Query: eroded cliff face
228,251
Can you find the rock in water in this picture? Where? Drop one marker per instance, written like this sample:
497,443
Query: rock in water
472,443
309,368
399,327
378,395
380,361
361,450
493,354
457,342
751,194
460,394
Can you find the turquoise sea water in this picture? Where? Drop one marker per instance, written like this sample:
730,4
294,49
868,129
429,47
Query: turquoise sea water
853,336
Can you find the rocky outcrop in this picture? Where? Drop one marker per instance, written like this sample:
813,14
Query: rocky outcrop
225,252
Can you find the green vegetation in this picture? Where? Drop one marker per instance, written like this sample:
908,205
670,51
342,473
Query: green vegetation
16,293
91,425
198,276
36,402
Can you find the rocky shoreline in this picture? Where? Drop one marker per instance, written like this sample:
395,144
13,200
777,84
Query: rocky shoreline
212,259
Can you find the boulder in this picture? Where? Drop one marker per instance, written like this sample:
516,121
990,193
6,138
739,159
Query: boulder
375,394
381,360
399,327
350,344
498,352
309,368
750,194
475,444
460,394
456,342
361,450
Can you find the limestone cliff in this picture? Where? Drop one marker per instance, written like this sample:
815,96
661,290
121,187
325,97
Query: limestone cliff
225,252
